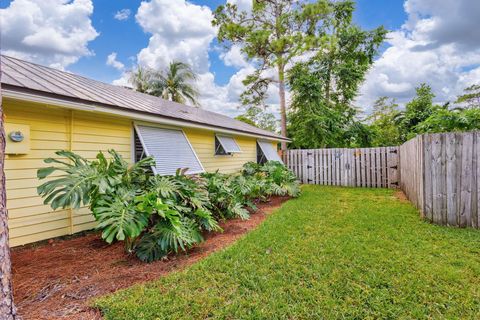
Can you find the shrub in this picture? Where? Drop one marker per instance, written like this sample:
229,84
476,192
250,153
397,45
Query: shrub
156,215
275,178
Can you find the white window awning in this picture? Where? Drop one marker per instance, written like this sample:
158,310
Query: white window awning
170,148
268,151
228,144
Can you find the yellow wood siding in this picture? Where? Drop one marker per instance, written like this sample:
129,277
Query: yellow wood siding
203,142
53,129
85,133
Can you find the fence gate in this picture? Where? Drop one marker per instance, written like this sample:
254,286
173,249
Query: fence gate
360,167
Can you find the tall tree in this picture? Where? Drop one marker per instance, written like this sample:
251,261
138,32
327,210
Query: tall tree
471,96
7,308
175,83
416,111
271,35
324,87
382,123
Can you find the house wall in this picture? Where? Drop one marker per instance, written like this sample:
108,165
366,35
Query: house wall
203,142
53,129
85,133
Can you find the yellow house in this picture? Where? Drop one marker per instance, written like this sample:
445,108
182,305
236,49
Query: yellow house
48,110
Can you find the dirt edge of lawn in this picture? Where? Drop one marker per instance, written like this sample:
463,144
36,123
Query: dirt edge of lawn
55,280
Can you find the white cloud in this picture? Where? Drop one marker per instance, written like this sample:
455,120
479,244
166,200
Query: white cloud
113,62
51,32
180,31
439,44
234,57
122,15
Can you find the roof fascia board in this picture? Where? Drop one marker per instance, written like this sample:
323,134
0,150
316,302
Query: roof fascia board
12,94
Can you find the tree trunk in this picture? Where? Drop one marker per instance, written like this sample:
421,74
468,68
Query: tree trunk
7,308
283,107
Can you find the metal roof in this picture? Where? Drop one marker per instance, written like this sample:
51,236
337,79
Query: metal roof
20,75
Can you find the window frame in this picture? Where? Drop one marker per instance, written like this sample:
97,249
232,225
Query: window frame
147,153
219,148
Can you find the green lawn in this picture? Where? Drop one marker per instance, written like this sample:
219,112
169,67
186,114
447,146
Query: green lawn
333,253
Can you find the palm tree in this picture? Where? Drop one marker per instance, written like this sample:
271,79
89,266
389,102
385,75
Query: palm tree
176,83
141,79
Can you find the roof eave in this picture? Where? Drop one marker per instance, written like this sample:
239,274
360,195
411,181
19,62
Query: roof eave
19,93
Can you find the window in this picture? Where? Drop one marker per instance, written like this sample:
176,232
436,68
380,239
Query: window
225,145
169,147
266,152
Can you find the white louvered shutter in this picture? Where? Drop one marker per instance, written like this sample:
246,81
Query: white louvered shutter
229,144
269,152
170,148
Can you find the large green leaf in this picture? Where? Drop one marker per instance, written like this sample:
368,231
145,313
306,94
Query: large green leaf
118,217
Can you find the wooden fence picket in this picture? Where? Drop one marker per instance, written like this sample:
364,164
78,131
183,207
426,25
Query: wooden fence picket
360,167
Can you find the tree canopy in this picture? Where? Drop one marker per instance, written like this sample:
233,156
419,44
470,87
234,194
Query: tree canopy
271,35
324,87
175,83
260,118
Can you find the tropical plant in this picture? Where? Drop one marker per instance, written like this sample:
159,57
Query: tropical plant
276,178
225,199
176,83
140,78
157,215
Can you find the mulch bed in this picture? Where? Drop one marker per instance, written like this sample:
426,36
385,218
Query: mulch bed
55,280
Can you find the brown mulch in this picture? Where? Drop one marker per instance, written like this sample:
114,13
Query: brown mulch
55,280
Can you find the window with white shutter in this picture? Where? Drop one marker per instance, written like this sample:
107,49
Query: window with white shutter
225,145
170,148
266,152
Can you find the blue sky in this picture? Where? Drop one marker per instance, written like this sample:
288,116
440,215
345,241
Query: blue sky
79,36
127,38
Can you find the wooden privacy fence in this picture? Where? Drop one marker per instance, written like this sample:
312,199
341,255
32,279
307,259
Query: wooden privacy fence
440,174
361,167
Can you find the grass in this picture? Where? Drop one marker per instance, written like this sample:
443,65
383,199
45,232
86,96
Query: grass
333,253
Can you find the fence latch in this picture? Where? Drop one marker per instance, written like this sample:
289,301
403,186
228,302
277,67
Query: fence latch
309,167
394,167
393,151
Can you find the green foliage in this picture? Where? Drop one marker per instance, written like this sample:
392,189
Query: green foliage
416,111
259,118
231,195
471,96
157,215
175,83
393,127
313,123
271,35
445,120
333,253
383,123
324,87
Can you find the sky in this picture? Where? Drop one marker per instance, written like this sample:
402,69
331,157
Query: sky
430,41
